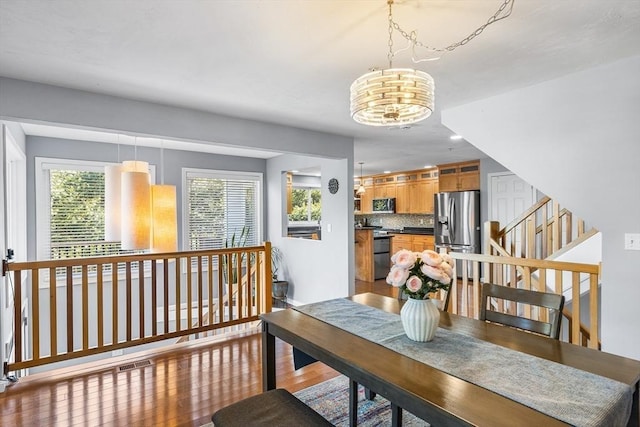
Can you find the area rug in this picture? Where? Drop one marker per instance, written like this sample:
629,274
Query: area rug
331,400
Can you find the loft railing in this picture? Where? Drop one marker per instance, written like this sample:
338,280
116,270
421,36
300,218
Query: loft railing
561,277
72,308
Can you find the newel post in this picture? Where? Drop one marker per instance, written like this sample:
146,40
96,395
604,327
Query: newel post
266,295
490,234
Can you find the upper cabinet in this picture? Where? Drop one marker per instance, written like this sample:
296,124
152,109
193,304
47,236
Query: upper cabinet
413,191
459,176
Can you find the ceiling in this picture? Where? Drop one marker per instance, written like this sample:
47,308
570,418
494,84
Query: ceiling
292,61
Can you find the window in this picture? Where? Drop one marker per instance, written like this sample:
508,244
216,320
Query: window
306,205
70,213
218,204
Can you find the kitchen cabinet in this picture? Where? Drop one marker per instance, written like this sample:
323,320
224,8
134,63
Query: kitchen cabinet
289,192
364,255
384,187
459,176
366,198
414,191
412,242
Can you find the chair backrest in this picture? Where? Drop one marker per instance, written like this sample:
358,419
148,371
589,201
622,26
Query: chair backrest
445,302
553,302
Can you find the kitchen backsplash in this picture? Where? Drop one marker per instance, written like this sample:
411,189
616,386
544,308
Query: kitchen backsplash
395,221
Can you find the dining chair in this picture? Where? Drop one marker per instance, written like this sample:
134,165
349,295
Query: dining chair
553,302
445,303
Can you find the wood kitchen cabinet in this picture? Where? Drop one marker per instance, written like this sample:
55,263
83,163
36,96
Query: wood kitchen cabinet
366,198
384,187
414,191
289,192
412,242
459,176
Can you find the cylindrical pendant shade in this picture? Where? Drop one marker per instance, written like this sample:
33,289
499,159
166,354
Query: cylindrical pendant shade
164,234
112,203
135,166
135,210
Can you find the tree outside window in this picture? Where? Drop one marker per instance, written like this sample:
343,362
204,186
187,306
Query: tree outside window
306,205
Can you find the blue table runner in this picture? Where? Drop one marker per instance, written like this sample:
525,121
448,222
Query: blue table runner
568,394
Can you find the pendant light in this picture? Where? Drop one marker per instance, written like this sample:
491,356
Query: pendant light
361,189
403,96
164,230
135,204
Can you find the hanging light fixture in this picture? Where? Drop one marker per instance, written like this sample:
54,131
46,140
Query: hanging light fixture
164,230
404,96
392,97
135,205
361,189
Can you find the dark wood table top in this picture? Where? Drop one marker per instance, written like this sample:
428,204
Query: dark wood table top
433,395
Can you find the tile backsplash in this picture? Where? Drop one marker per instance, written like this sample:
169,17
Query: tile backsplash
395,221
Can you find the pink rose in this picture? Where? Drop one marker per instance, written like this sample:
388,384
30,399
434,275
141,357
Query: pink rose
404,258
414,283
446,279
447,269
433,272
397,276
431,258
447,258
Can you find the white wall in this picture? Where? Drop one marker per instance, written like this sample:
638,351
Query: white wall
316,269
577,139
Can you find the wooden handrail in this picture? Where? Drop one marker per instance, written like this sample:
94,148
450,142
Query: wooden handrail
513,271
523,216
92,316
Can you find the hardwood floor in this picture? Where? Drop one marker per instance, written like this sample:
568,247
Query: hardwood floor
183,384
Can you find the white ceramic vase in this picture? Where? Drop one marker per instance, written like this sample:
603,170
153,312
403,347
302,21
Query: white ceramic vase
420,319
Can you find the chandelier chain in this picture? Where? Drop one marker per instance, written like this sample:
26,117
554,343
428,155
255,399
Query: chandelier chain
411,36
390,54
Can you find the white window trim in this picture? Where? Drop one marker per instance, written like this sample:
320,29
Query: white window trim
220,174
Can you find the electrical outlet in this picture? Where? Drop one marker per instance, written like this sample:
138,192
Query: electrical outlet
632,242
421,221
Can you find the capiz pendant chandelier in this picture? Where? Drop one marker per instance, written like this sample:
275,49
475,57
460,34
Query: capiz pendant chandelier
403,96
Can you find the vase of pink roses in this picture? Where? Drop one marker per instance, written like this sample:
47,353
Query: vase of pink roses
419,274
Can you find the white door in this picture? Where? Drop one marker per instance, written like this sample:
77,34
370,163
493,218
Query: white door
509,196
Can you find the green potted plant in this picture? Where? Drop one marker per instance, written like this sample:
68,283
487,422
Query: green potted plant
279,288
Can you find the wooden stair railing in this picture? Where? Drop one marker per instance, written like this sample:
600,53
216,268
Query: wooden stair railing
505,271
74,311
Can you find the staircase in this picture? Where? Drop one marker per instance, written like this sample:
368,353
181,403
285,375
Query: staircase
548,232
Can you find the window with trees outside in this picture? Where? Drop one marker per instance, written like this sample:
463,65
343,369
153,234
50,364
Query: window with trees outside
218,205
306,205
70,212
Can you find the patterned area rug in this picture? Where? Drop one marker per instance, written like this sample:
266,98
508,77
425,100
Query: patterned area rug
331,400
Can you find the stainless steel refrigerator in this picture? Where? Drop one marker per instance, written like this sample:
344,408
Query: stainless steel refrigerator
457,222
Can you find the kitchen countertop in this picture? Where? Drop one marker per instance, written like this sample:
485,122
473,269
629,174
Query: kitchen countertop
411,230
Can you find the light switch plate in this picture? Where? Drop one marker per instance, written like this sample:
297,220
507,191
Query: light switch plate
632,241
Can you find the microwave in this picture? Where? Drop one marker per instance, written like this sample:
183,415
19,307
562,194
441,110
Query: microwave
384,205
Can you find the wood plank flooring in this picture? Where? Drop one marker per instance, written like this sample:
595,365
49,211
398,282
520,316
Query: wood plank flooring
183,385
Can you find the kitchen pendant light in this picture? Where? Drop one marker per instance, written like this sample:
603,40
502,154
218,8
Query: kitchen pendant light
361,189
404,96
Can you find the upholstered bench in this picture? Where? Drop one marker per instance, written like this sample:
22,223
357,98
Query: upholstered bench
272,408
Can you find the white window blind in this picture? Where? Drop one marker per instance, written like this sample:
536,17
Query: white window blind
218,205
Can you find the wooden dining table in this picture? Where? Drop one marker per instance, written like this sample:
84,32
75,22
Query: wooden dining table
424,390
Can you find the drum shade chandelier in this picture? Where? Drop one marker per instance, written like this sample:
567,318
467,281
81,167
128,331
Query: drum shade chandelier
403,96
